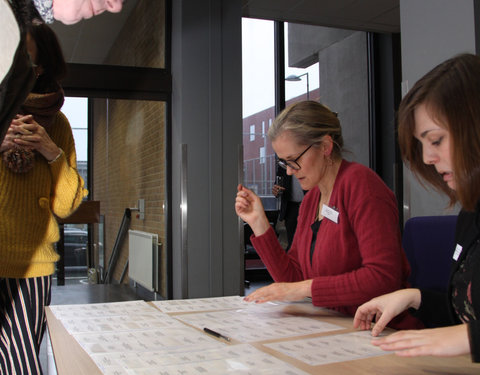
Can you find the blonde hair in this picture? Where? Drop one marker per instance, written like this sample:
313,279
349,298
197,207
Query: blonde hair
309,122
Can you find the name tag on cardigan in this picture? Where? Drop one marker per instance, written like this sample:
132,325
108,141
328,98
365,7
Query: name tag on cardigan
330,213
458,251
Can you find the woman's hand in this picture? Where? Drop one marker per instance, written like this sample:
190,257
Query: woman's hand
29,134
385,308
441,342
277,190
12,133
282,292
250,209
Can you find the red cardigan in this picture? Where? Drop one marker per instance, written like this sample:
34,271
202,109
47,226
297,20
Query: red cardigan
355,260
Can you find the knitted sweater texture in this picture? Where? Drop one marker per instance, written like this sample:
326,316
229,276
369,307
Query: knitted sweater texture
354,260
28,205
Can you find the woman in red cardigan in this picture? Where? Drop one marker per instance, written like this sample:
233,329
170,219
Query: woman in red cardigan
347,247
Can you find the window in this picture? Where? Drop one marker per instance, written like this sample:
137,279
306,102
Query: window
258,104
76,111
262,155
252,133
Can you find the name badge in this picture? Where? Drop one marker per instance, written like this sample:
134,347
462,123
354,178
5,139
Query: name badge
458,251
330,213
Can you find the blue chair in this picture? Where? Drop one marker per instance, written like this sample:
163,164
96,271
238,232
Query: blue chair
429,243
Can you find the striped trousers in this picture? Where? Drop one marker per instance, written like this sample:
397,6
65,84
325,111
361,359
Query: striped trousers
22,323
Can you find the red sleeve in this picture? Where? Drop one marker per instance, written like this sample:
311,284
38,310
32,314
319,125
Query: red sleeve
280,265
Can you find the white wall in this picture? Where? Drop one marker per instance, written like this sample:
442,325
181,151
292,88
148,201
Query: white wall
431,32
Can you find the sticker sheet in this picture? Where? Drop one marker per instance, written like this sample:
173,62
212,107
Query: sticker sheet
235,359
201,304
330,349
270,322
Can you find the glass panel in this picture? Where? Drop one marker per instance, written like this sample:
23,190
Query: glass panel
129,164
76,110
258,107
133,37
301,80
336,63
76,235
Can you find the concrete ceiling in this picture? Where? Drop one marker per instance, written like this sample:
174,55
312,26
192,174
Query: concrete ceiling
365,15
89,41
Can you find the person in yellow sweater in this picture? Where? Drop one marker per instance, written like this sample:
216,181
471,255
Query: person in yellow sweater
39,181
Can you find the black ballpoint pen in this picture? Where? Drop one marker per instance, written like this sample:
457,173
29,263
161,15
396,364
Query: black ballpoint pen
216,334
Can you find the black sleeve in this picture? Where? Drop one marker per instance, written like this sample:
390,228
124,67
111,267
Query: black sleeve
474,338
433,310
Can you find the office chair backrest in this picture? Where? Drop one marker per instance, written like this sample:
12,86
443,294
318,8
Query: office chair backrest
429,243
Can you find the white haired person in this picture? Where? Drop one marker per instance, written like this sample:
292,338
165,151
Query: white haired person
346,248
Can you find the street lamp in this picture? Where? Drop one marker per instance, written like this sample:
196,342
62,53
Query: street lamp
293,77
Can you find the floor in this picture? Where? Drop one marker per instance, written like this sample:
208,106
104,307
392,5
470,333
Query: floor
78,291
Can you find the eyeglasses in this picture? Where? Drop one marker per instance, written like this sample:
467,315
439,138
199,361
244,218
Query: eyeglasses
292,163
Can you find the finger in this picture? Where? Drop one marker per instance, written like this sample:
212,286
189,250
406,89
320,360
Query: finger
414,352
242,202
255,297
367,321
364,314
358,319
23,117
402,345
23,130
380,324
30,126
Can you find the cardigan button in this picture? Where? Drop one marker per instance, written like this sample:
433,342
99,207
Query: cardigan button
44,202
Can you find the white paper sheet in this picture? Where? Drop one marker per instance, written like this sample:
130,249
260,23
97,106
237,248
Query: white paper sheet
129,308
201,304
234,359
257,323
118,323
145,340
330,349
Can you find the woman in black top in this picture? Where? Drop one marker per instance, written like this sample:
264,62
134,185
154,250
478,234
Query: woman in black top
439,136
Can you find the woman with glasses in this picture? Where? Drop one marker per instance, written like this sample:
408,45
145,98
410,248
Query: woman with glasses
347,247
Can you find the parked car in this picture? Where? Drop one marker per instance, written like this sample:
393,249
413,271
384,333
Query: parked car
76,242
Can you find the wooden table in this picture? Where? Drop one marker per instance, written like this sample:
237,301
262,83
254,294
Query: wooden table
70,358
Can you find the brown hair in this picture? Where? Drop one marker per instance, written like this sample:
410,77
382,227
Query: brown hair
49,56
451,94
308,122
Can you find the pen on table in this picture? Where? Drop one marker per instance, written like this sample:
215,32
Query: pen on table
216,334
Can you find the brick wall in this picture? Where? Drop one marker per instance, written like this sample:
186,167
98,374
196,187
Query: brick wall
129,139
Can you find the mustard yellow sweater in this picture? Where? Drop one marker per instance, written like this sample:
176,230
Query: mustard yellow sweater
28,202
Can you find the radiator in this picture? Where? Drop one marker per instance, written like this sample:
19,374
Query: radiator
144,259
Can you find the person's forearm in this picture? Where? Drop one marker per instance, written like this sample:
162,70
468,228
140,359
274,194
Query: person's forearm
260,226
416,297
307,287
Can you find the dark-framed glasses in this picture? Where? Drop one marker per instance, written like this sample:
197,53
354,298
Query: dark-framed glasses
292,163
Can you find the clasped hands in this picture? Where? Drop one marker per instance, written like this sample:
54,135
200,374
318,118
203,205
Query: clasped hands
26,132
